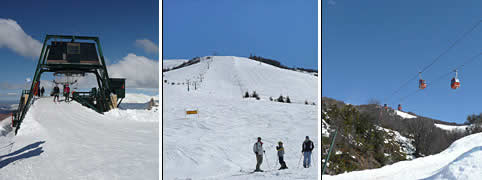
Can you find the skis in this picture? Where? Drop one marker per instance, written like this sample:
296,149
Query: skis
244,172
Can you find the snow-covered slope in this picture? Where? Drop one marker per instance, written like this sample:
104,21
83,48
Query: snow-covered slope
170,63
217,143
451,128
138,98
231,77
70,141
462,160
405,115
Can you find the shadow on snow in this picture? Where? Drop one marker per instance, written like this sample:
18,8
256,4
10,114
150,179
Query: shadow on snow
28,151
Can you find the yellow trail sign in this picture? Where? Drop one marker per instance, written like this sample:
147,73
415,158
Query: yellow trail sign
191,112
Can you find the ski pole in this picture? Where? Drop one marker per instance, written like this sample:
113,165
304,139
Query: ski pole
267,162
313,158
300,160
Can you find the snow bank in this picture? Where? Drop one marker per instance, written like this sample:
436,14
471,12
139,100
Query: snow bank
462,160
405,115
451,128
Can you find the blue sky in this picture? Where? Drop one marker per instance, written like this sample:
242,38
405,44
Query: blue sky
117,24
284,30
370,48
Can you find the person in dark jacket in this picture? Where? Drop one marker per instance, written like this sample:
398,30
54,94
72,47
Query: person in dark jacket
307,148
258,150
56,93
42,90
281,152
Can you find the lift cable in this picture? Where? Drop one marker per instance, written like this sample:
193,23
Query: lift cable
435,60
443,76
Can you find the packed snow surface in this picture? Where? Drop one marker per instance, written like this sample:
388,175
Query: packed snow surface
462,160
218,142
451,128
70,141
405,115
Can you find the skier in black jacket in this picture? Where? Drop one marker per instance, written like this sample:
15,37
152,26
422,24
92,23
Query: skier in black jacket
56,93
307,147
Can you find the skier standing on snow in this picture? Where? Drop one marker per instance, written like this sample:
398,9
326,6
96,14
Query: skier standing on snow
307,147
281,152
42,90
67,93
258,150
56,93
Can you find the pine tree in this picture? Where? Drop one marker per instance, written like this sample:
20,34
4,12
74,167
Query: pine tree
255,95
280,99
246,95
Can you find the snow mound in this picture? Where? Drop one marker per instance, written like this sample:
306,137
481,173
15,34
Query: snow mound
451,128
462,160
405,115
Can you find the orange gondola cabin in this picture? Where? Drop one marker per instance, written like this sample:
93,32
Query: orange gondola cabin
422,84
455,83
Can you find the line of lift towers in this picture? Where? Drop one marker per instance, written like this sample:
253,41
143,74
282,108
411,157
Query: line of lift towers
74,56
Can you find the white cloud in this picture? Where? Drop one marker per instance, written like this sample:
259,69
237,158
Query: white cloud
147,45
139,71
13,37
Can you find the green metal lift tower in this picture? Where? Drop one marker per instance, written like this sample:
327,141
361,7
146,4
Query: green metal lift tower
74,55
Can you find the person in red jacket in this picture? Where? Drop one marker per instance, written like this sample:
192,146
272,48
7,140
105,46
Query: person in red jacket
67,93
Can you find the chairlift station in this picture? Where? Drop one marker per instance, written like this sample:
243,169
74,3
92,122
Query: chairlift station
74,56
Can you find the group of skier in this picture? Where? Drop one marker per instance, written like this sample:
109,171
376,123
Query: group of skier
66,93
307,148
40,92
